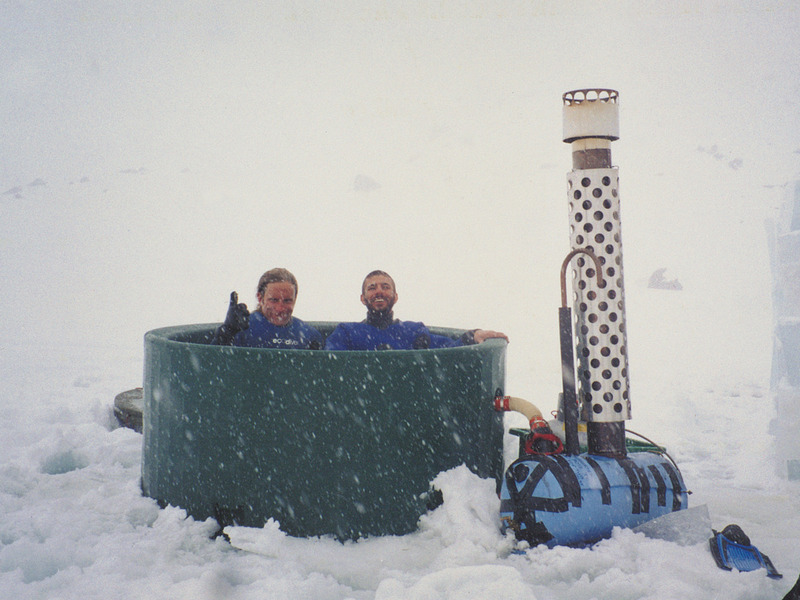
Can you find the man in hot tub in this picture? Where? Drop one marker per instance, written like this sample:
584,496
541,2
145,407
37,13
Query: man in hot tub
381,331
272,324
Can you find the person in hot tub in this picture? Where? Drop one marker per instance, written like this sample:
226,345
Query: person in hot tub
381,331
272,324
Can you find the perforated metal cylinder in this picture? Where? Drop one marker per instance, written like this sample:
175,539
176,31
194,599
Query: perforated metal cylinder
599,309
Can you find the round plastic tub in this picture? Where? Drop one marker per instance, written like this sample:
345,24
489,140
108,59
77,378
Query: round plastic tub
343,443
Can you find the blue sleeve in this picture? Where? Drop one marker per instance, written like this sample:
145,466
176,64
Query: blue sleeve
338,340
434,340
442,341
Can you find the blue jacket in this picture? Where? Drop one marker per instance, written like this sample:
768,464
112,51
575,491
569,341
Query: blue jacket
263,334
400,335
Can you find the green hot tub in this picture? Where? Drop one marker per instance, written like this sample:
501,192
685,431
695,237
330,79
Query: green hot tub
341,443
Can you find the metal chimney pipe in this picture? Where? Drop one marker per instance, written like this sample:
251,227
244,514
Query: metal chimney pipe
591,123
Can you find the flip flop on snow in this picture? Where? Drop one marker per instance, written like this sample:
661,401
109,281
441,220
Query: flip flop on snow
731,548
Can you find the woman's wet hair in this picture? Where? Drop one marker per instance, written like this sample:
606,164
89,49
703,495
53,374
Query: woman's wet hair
274,276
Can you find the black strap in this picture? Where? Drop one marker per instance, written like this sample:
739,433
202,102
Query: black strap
636,488
605,486
534,503
661,486
644,495
568,480
561,470
524,499
524,509
677,488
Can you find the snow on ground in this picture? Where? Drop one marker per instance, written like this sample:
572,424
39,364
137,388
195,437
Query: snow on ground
75,525
157,156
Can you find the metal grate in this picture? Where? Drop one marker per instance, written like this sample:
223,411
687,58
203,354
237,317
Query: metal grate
599,309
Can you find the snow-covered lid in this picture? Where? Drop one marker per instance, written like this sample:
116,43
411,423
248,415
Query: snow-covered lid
591,113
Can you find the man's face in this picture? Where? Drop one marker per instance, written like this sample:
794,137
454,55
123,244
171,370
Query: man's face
379,294
276,302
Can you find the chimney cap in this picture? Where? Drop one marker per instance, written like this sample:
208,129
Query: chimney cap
590,95
591,113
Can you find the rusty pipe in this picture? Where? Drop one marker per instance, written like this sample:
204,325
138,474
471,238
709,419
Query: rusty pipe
565,264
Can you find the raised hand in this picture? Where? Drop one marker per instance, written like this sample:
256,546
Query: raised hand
237,319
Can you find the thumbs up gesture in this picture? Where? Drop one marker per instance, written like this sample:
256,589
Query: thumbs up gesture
238,317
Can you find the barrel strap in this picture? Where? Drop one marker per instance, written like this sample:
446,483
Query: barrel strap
677,487
661,486
524,513
561,470
636,488
605,486
568,480
644,495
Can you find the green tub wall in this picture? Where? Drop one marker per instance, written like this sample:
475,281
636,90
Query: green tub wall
341,443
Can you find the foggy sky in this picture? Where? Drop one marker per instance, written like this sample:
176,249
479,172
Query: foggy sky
156,156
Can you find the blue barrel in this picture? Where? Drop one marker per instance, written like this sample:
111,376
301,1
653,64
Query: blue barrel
341,443
577,500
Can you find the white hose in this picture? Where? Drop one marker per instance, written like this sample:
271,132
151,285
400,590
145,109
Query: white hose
520,405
